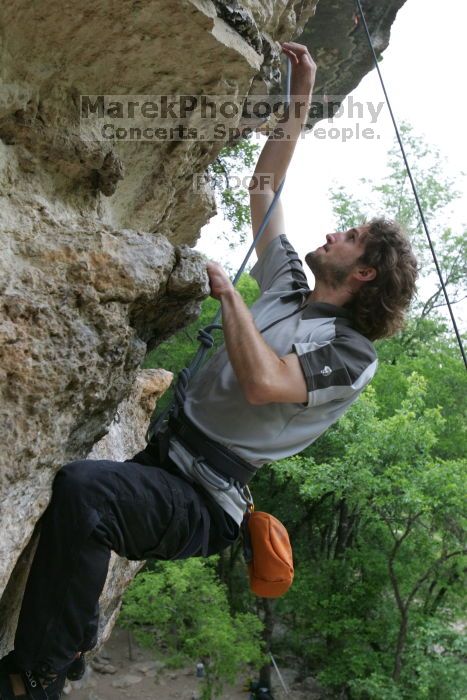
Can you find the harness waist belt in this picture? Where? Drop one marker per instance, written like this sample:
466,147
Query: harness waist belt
219,457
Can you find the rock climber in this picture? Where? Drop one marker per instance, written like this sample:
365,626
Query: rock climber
291,365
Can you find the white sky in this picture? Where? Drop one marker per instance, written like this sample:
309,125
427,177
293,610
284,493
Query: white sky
423,68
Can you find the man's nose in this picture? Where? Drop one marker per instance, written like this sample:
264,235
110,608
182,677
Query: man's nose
330,238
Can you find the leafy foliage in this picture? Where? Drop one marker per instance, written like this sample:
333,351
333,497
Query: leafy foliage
378,527
438,361
227,174
182,607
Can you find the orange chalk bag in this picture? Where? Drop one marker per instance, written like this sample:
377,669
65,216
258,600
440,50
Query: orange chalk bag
268,554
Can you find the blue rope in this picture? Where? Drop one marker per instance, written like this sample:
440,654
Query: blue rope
204,334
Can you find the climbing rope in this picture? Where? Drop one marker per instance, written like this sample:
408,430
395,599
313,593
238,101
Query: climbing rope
412,182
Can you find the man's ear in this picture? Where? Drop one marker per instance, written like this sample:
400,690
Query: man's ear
365,274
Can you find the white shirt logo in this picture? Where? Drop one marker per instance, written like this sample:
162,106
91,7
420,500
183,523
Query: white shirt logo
326,371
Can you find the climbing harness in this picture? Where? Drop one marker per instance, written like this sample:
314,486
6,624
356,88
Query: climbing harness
412,182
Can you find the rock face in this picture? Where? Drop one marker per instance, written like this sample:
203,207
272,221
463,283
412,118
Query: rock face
126,435
96,265
338,43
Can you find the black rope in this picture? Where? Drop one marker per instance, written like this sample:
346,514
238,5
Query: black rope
412,182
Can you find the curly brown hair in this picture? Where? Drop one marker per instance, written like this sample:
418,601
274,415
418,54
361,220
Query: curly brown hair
380,305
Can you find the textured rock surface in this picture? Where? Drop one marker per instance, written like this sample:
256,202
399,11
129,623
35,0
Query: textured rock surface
339,45
55,52
125,436
95,264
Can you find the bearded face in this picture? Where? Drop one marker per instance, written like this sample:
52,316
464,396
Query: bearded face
333,262
332,273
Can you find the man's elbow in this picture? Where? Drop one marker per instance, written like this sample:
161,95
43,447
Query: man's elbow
286,384
261,183
264,387
256,394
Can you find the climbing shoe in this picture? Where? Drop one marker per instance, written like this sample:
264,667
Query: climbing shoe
76,669
42,683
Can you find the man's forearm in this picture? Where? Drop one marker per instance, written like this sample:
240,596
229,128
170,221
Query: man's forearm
280,146
251,357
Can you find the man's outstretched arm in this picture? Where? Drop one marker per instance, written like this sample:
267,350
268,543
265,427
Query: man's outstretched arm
278,149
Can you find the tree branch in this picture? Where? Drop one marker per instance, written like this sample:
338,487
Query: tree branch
427,573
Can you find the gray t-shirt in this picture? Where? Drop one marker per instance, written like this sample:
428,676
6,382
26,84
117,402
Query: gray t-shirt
337,362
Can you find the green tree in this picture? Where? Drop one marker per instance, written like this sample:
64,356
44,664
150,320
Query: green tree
378,527
433,354
182,607
428,344
228,174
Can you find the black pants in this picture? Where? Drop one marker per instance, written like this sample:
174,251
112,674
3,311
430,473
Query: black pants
136,510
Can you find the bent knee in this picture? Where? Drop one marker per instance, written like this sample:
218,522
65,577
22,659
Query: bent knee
74,476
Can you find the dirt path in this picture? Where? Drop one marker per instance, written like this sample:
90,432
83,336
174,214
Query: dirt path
115,676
